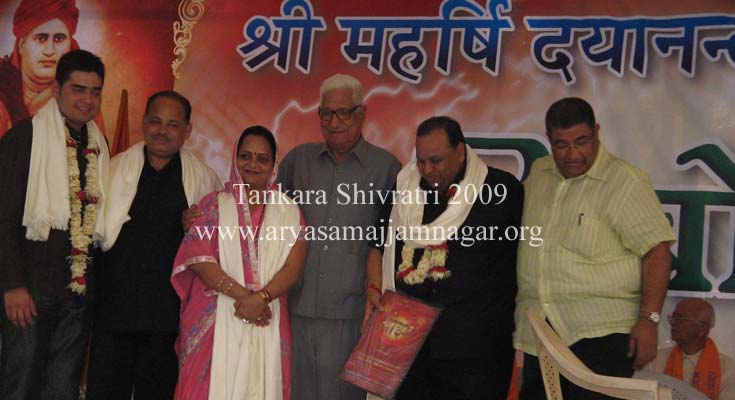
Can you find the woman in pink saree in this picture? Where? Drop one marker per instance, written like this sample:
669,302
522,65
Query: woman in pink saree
232,275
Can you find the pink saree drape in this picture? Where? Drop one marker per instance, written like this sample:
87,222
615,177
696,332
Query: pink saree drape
198,305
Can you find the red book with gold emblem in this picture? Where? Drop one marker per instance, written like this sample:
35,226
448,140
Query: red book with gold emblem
389,344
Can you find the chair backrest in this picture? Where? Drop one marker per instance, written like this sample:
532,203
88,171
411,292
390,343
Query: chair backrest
555,358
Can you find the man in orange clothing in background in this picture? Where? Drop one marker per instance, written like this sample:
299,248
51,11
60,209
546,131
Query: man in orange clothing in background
695,358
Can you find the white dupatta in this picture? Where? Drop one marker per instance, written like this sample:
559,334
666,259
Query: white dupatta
246,359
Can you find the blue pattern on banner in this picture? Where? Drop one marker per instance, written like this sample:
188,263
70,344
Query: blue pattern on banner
481,38
260,48
605,41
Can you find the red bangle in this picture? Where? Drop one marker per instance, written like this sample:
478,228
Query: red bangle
373,287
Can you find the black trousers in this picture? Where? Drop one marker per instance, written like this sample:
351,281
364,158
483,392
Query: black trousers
123,363
479,378
45,360
605,355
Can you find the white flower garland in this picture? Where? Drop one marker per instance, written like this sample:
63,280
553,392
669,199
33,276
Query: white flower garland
81,226
432,264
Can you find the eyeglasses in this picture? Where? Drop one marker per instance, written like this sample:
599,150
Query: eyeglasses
577,144
674,318
342,114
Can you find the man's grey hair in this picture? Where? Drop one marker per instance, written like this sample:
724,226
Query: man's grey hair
342,81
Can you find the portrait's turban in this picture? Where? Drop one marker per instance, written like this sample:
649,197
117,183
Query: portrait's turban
31,13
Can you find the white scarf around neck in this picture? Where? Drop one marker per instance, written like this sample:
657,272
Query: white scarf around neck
410,215
47,193
125,170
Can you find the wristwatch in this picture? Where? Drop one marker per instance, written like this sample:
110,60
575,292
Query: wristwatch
652,316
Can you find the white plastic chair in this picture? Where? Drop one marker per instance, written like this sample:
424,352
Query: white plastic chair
555,358
680,390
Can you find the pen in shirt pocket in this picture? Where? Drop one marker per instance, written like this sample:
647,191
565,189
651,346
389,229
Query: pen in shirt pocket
579,219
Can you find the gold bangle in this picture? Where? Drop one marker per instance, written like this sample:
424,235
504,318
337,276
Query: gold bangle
264,296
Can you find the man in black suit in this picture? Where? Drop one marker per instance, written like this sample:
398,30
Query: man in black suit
464,261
